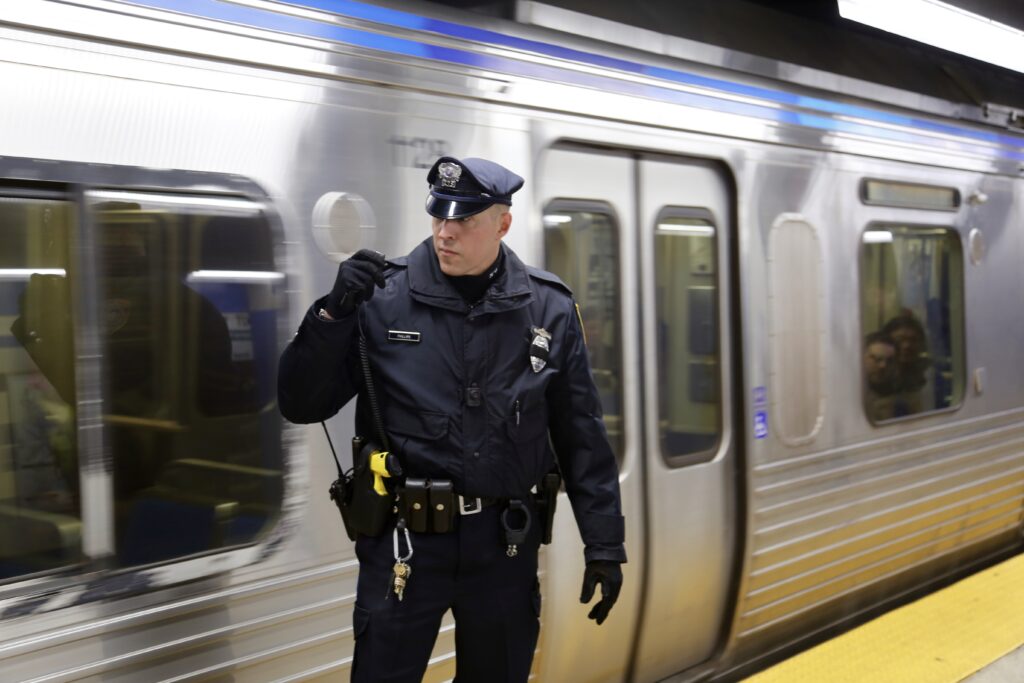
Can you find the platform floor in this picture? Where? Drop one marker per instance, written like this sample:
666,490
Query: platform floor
1008,669
970,631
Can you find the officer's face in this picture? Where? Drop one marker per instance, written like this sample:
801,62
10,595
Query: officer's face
467,246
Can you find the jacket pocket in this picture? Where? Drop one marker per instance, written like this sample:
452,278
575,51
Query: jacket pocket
524,427
418,424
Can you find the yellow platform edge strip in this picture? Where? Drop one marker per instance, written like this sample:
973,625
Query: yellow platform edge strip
941,638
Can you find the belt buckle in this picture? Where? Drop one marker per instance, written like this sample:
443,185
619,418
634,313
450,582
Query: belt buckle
476,505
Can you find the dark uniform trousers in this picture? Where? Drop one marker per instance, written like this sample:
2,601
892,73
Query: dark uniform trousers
495,600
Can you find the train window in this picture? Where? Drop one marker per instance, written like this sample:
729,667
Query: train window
686,301
40,516
913,320
909,195
189,296
581,247
795,287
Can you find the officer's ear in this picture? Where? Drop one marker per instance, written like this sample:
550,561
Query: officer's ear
505,218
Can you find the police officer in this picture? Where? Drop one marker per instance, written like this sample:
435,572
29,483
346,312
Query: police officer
476,359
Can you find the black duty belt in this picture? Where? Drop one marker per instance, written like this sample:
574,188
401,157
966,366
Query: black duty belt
471,506
431,505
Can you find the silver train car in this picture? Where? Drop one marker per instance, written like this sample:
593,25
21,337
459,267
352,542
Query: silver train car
798,293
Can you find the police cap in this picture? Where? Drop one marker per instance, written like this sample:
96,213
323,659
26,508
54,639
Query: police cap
460,188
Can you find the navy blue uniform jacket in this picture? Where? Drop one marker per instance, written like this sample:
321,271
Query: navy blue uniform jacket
463,402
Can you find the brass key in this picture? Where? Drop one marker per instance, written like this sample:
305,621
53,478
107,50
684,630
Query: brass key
401,572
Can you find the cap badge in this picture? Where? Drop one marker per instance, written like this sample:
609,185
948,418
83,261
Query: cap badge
540,347
449,174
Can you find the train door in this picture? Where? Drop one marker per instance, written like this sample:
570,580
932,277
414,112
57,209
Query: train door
685,214
588,207
644,243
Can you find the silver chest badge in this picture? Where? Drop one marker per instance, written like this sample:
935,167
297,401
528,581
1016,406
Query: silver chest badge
540,347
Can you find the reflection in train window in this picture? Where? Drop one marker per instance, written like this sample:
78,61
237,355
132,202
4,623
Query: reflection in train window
686,300
581,247
189,297
40,517
913,320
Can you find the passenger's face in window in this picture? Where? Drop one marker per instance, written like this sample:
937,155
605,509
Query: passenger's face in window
908,344
115,314
878,363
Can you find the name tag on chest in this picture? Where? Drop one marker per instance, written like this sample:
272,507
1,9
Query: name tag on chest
404,336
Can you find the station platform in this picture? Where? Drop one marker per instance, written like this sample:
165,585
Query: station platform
971,631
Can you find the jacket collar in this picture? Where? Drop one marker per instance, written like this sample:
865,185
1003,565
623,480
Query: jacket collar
428,285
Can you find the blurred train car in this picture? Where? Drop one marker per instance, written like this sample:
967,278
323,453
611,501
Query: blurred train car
177,180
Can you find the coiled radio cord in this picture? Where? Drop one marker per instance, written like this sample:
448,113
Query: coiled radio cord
371,393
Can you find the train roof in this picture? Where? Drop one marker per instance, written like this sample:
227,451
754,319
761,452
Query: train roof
795,41
549,52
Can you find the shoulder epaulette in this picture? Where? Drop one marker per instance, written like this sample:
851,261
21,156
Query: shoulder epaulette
548,278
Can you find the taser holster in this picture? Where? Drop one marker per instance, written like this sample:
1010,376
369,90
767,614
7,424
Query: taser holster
363,509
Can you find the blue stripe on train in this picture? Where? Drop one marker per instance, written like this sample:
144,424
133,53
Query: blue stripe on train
267,19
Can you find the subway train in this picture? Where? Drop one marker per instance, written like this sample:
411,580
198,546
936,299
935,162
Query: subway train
798,290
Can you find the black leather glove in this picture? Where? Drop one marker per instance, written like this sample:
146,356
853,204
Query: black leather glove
357,276
609,574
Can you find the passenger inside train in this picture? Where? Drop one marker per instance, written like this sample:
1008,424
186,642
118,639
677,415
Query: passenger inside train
912,366
911,300
879,376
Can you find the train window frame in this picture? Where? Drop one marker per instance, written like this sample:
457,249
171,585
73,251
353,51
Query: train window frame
698,213
38,193
96,577
886,225
864,193
580,205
